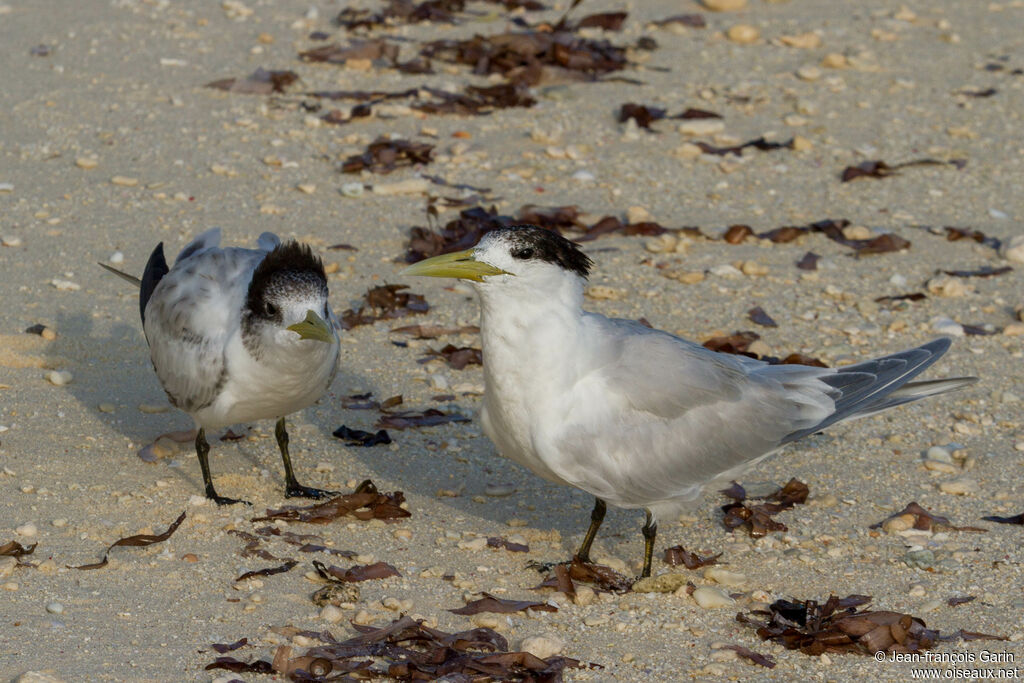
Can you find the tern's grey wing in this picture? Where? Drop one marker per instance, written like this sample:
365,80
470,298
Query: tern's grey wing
207,240
193,313
663,417
268,241
662,374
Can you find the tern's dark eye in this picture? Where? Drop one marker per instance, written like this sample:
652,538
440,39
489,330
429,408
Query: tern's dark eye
523,253
271,309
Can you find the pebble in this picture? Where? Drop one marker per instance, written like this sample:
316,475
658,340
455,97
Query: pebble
939,454
499,490
478,543
332,614
38,677
899,523
408,186
743,34
960,487
808,73
930,606
542,646
87,163
9,586
935,466
944,325
803,41
6,187
352,190
7,565
306,188
28,530
116,258
55,608
725,577
59,377
124,181
65,285
1013,249
802,144
710,597
107,407
584,176
10,241
701,127
857,232
919,559
947,286
585,595
1014,330
48,334
154,409
835,60
485,621
663,583
724,5
687,150
638,214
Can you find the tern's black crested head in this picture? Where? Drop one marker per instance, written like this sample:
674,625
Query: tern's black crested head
531,243
290,271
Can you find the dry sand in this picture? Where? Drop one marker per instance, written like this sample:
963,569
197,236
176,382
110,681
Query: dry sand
119,96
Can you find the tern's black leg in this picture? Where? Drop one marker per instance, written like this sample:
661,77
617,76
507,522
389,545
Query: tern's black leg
650,531
203,450
293,488
596,517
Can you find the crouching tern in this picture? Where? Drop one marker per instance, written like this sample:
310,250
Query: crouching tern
637,417
238,335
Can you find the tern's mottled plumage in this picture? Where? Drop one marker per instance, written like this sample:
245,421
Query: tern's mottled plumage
238,335
638,417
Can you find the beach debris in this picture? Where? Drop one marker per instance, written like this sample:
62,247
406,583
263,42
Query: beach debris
384,156
365,503
410,419
406,650
356,573
457,357
357,437
489,603
385,302
501,542
917,517
758,519
139,540
757,315
269,571
879,169
259,82
678,555
838,626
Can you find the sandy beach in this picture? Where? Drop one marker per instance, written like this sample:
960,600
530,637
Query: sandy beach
111,141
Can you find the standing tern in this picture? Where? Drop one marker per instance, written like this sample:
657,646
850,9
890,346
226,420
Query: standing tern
238,335
638,417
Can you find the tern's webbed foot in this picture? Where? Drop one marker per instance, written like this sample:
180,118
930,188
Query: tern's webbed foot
300,491
224,500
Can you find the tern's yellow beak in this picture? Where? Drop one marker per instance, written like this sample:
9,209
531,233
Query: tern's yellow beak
460,264
313,327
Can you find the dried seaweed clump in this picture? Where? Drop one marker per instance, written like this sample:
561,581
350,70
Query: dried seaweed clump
837,626
407,650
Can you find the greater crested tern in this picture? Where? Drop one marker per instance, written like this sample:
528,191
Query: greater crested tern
239,335
638,417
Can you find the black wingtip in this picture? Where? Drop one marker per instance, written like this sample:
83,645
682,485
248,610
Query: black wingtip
156,268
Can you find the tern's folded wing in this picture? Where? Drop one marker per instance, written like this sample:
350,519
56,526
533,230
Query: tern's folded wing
194,311
664,375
